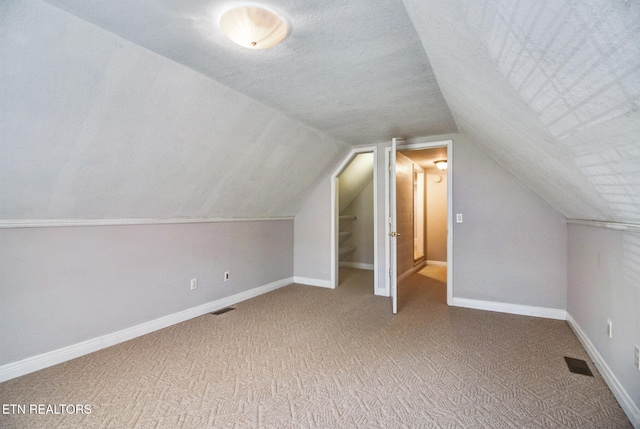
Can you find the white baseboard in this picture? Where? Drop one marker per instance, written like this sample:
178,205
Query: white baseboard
45,360
502,307
437,263
630,408
412,270
358,265
312,282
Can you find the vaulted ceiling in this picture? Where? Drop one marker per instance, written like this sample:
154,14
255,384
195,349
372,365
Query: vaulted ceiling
134,109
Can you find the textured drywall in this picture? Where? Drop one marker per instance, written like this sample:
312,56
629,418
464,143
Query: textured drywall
508,233
436,217
550,89
62,286
94,126
511,246
604,284
361,228
312,232
355,70
354,178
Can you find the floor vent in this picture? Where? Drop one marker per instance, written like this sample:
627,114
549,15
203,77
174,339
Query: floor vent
578,366
224,310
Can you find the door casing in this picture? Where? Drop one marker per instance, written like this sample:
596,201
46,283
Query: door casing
389,268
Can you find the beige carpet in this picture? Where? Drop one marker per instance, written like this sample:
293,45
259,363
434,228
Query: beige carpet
305,357
435,273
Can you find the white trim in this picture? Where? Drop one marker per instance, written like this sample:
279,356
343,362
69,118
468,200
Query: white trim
618,226
358,265
450,158
50,223
437,263
313,282
503,307
45,360
333,282
626,402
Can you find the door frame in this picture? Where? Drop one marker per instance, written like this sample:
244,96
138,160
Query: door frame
335,225
450,256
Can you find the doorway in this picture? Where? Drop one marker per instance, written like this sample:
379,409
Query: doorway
420,226
354,247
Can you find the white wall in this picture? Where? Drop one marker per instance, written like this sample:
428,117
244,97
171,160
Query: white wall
512,246
62,286
96,127
436,218
361,228
508,234
312,232
604,284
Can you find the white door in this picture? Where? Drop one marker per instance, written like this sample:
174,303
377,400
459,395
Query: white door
392,231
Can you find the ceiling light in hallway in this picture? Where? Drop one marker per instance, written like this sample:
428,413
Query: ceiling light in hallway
441,164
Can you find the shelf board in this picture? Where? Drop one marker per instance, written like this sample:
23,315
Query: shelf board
344,250
347,217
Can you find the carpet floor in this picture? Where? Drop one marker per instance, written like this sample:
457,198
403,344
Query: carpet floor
305,357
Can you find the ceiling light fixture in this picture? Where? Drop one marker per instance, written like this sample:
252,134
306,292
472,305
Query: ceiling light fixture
253,27
441,164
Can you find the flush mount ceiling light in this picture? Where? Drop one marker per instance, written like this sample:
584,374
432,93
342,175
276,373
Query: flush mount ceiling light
253,27
441,164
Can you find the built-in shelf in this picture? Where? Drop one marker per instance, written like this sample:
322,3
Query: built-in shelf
344,250
347,217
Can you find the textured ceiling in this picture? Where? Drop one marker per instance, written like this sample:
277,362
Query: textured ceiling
354,178
132,109
426,158
355,71
550,89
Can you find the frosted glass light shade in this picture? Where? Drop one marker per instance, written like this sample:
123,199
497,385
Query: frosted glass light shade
253,27
442,164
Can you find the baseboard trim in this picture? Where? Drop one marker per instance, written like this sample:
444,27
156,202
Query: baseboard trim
502,307
45,360
358,265
312,282
630,408
437,263
410,271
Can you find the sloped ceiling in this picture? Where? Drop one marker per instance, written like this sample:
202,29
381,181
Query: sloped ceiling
142,109
356,71
96,127
550,89
354,178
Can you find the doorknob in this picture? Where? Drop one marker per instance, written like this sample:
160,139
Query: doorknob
394,234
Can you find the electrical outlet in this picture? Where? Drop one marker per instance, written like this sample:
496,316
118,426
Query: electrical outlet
194,284
226,276
636,358
609,328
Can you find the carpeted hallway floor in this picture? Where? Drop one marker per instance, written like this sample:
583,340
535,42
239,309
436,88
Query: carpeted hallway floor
305,357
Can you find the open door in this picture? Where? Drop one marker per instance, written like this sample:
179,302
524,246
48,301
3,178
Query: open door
392,233
392,222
